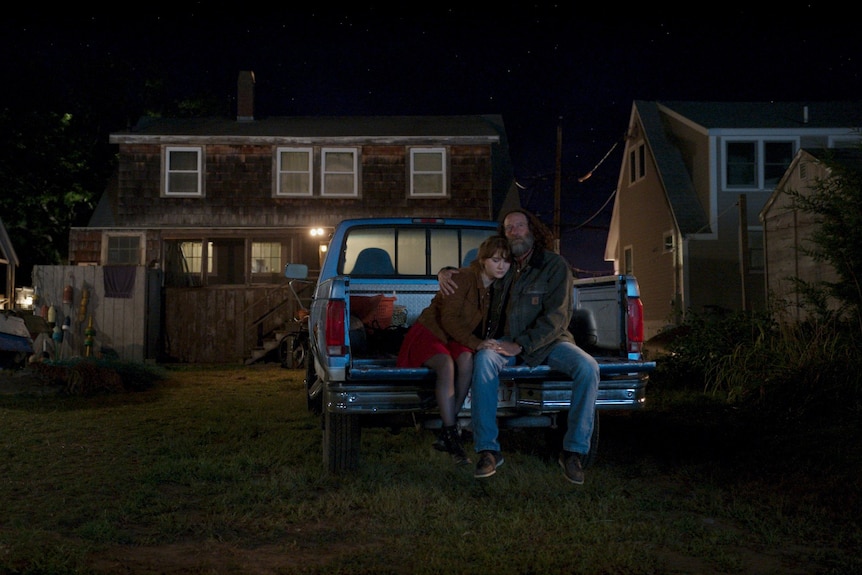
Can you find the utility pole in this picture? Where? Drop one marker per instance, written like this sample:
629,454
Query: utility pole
743,250
557,184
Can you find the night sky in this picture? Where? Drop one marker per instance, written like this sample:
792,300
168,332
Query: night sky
539,65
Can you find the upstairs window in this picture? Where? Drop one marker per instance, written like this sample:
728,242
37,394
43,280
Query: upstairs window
741,164
339,175
756,164
637,163
183,171
776,159
294,167
427,172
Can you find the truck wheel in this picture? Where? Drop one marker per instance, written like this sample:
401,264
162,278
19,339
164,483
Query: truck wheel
314,404
341,436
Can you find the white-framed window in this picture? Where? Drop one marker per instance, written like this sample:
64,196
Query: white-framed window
637,163
667,242
183,171
265,258
339,172
756,164
628,261
294,171
428,172
123,249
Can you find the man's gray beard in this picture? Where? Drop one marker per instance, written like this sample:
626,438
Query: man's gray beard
521,246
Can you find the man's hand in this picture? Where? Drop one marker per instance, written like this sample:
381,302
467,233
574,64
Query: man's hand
447,284
507,348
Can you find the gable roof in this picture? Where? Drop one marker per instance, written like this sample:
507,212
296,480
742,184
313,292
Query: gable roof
686,209
7,251
849,158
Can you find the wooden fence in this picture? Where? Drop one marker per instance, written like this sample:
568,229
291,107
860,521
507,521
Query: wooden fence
122,320
218,324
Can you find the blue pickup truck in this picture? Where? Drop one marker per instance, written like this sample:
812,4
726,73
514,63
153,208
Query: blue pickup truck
377,277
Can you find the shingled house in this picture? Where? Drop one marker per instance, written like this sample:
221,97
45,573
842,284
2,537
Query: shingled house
216,207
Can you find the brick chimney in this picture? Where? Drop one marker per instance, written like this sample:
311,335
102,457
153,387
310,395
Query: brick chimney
245,96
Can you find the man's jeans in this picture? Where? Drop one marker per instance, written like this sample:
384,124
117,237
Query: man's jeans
566,358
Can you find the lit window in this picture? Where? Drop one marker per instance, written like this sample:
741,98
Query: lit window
294,171
265,258
183,172
339,172
427,172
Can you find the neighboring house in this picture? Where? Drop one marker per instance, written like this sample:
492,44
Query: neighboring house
787,231
8,264
691,172
219,206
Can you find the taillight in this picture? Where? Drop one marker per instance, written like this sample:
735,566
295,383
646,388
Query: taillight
635,325
335,327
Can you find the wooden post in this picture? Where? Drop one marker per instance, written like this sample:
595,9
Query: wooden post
557,185
743,249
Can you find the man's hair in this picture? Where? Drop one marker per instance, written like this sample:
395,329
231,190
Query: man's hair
544,237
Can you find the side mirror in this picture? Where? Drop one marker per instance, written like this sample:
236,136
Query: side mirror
296,271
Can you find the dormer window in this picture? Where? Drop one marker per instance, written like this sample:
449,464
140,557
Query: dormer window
294,168
339,172
427,172
183,173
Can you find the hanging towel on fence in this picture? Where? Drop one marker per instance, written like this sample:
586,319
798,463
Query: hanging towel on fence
119,281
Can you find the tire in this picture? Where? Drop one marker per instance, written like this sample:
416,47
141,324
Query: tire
314,404
341,438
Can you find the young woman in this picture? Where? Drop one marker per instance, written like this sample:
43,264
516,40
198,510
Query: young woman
449,330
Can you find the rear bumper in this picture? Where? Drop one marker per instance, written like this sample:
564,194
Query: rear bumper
523,390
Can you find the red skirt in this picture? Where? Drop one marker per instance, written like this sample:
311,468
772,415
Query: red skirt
420,344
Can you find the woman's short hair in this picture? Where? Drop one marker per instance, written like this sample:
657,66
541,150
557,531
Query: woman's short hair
491,246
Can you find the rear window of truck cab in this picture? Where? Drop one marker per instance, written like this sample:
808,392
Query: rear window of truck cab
409,250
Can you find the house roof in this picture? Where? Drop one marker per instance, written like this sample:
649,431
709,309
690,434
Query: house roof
482,127
686,208
765,115
7,250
